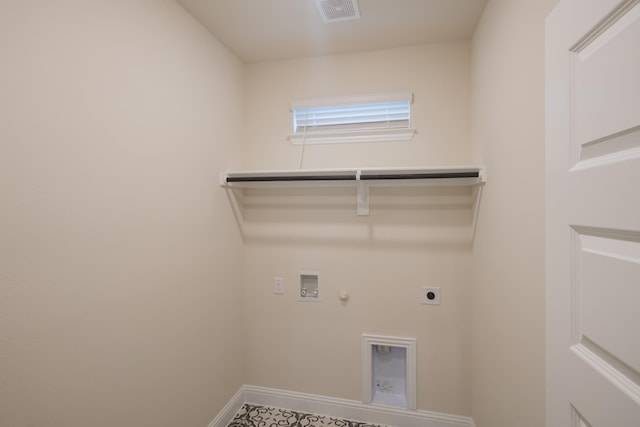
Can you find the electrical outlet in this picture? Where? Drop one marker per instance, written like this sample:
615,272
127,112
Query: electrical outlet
430,296
278,285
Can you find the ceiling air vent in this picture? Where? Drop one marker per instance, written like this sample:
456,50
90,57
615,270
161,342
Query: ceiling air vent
338,10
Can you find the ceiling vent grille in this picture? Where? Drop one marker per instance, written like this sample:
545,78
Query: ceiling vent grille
338,10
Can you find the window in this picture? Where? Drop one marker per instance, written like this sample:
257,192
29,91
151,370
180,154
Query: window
355,119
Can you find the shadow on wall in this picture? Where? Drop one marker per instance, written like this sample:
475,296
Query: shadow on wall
408,217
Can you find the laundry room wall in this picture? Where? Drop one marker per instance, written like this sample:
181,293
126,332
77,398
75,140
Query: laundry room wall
508,135
413,237
120,263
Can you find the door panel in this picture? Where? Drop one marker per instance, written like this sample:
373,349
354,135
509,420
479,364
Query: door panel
604,75
598,395
605,193
608,295
593,214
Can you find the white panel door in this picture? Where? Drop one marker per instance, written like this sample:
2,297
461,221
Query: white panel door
593,213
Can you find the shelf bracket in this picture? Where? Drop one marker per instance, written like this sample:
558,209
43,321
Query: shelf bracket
363,196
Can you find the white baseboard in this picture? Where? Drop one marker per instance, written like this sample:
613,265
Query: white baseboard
336,407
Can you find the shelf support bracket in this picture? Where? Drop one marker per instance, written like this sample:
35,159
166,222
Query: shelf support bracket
362,196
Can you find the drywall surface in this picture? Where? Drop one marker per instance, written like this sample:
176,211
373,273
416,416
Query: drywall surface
119,260
508,254
413,237
437,74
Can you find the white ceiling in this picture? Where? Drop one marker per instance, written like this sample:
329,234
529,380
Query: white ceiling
265,30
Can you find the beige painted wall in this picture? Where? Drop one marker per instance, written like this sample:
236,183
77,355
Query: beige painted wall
508,254
437,74
412,238
119,259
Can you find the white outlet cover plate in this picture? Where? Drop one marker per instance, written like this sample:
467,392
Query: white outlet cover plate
436,295
278,285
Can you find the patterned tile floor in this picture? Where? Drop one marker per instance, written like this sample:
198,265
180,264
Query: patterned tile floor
264,416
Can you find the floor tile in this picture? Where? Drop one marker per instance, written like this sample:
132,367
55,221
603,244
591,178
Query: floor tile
251,415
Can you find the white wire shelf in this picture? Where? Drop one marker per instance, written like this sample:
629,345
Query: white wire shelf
360,178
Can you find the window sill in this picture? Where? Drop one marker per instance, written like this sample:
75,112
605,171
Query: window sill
339,137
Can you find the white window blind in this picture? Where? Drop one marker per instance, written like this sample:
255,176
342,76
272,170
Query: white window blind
367,118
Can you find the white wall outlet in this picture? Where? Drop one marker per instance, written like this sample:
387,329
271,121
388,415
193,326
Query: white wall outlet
278,285
430,296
